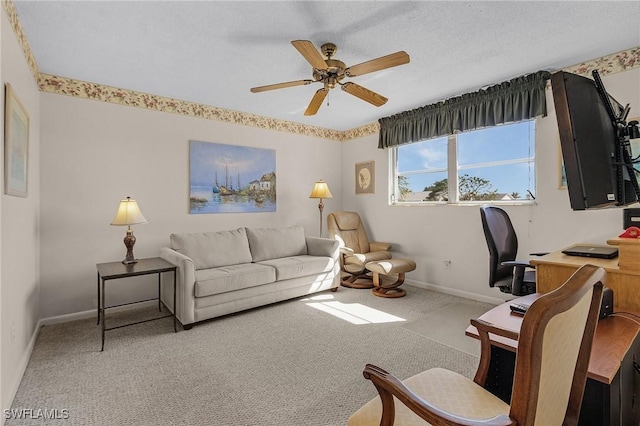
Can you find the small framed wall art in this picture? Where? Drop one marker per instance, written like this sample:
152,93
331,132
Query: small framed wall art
366,178
16,144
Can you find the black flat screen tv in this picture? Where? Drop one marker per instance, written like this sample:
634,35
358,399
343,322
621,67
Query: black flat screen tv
589,139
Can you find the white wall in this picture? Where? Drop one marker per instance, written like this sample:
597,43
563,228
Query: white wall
94,154
19,265
431,234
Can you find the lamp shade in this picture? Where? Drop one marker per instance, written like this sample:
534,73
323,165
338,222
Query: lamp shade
320,190
128,213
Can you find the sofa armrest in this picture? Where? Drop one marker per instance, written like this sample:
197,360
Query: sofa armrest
377,246
185,287
322,247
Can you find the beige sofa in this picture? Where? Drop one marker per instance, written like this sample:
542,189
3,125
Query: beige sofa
229,271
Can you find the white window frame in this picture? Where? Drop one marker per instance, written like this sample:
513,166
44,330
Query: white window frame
453,170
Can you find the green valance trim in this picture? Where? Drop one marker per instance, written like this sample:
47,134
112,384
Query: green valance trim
521,98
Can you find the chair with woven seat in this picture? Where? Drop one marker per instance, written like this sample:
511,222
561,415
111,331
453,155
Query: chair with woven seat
552,360
355,248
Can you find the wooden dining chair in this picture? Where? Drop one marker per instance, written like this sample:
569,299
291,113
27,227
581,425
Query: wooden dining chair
554,346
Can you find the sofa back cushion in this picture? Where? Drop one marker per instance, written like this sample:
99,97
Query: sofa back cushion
213,249
274,243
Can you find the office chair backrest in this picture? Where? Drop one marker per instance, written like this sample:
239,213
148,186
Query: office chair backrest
554,347
347,228
502,243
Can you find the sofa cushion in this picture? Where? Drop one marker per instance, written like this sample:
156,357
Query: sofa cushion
213,249
299,266
233,277
274,243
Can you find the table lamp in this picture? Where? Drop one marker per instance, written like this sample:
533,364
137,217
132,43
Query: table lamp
320,190
128,214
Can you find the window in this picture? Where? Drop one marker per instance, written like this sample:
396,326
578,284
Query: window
495,164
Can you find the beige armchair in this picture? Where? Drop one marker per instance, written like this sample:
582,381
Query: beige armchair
355,248
554,346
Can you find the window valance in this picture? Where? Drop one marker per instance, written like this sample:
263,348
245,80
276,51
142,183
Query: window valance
518,99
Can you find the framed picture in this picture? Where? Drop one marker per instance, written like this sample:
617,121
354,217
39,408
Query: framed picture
16,144
231,178
366,178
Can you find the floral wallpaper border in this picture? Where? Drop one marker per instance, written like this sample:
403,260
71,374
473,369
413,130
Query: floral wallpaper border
616,62
12,14
83,89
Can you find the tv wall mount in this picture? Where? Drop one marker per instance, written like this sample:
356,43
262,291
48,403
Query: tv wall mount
625,132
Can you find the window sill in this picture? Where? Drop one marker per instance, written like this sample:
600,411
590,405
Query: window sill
467,203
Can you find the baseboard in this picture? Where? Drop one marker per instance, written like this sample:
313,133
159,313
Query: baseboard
454,292
93,313
22,367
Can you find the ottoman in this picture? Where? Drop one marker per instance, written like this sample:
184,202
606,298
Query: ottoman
390,267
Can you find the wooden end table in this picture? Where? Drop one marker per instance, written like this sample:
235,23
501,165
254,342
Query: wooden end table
115,270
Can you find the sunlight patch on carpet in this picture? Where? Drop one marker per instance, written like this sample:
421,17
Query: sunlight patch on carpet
355,313
447,326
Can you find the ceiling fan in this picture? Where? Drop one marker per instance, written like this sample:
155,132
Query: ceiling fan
330,72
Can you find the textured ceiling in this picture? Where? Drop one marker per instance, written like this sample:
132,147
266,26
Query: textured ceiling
213,52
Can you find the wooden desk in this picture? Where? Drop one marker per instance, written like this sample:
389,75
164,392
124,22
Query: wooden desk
612,380
553,269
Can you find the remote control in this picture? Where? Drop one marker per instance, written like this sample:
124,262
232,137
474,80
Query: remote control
518,308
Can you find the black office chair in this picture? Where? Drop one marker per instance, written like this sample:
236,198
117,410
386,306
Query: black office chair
505,272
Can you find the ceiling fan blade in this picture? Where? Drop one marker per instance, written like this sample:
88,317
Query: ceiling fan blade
316,101
393,60
281,85
365,94
310,53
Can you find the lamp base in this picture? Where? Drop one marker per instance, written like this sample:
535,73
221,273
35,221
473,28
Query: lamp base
129,241
321,208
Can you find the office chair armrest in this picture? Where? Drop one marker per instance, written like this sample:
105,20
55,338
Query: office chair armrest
389,386
517,264
517,285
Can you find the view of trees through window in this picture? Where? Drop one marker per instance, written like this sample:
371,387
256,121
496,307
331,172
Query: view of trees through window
493,164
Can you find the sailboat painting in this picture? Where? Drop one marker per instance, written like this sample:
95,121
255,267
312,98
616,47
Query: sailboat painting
231,178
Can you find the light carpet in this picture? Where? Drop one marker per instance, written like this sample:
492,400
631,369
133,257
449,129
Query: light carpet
448,324
293,363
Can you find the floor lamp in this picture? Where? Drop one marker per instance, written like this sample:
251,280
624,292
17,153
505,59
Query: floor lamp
320,190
